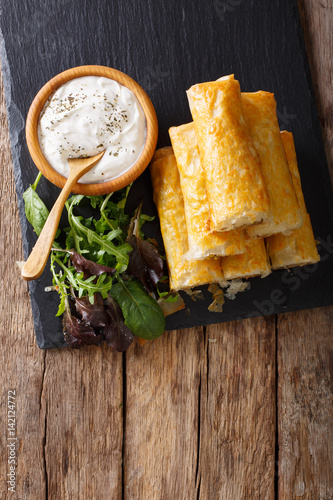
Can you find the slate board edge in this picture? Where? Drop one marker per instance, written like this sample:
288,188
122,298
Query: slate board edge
15,147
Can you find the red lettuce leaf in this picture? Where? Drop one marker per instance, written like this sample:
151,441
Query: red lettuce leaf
116,333
92,314
86,266
145,263
77,333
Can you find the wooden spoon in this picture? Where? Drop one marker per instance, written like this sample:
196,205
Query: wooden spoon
36,262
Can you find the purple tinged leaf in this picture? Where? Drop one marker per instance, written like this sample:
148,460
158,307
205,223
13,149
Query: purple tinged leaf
116,333
145,263
84,265
77,333
93,315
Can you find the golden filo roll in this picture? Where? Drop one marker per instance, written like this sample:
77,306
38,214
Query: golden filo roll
236,191
290,151
299,247
201,241
161,152
169,201
254,262
261,118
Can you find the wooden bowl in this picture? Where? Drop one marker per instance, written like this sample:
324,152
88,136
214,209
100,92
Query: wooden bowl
96,188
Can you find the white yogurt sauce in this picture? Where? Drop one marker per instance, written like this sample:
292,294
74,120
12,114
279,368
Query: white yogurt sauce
87,115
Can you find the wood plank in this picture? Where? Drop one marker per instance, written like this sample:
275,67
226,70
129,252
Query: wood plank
22,363
237,417
305,402
40,405
162,407
82,397
316,19
69,403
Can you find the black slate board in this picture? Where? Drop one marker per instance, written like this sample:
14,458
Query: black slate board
167,47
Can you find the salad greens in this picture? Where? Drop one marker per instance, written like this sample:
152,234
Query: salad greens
35,209
105,270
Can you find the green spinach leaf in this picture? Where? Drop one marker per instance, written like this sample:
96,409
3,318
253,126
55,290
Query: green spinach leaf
35,209
142,314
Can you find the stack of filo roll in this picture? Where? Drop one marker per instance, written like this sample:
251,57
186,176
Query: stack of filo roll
228,181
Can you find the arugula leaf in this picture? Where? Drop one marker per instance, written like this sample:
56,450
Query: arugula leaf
91,286
104,242
58,283
142,314
95,201
114,213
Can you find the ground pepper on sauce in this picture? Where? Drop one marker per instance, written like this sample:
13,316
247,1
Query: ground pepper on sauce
87,115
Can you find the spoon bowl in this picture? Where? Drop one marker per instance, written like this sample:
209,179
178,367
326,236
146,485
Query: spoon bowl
36,261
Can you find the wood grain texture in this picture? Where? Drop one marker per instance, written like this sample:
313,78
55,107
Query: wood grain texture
316,19
203,425
70,422
22,363
305,338
69,403
305,403
162,419
82,399
237,417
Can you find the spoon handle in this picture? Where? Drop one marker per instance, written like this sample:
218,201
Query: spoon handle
36,261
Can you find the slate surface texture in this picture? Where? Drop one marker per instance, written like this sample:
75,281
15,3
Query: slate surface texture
166,47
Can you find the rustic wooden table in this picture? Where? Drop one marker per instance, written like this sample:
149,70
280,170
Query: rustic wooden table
233,411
